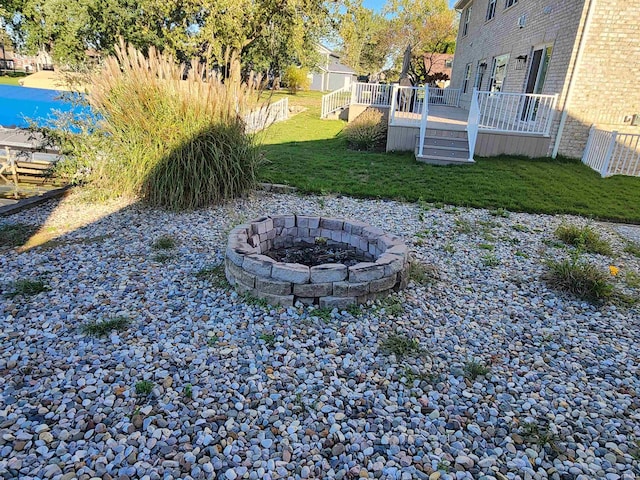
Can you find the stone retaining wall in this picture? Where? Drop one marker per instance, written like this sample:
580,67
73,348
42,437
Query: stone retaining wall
327,285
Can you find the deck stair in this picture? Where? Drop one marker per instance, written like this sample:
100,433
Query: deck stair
444,147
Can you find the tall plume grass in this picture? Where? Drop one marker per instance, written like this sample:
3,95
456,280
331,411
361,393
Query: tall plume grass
176,144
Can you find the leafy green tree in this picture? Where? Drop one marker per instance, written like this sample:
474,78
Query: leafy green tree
425,26
359,30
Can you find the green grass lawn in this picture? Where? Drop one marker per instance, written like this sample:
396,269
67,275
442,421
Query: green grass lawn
310,154
11,78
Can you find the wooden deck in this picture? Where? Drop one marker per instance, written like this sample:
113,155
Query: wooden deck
440,117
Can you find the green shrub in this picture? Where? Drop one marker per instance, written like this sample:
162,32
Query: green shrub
584,238
367,132
177,144
296,78
580,278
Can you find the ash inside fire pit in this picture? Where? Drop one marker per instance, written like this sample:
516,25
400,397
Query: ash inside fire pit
318,254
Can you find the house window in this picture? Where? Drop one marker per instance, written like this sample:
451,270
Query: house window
510,3
467,77
465,25
498,72
482,68
491,9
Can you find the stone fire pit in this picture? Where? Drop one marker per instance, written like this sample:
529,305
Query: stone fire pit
385,268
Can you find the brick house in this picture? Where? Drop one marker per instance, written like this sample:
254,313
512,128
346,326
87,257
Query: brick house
586,51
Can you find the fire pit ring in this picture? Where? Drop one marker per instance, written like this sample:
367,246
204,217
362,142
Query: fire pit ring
327,285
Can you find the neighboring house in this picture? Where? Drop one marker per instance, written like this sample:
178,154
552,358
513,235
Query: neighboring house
439,63
331,74
586,51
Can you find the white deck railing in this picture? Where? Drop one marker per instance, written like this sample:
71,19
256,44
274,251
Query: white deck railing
473,124
423,120
613,153
406,106
267,115
516,112
372,94
334,101
445,96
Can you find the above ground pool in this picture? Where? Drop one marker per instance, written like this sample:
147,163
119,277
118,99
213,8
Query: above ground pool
17,104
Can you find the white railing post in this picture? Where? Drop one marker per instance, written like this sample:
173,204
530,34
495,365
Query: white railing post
547,130
609,154
423,120
587,148
392,108
473,124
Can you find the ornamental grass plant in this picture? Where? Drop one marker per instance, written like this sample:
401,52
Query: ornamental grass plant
175,143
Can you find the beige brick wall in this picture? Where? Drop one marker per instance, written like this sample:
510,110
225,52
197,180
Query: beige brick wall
607,78
554,22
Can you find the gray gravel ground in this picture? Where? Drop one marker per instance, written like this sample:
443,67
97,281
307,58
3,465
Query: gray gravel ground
244,391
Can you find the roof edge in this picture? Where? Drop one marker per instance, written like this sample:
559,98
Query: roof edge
460,4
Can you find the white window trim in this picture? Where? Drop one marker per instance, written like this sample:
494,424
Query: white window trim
466,21
467,77
495,7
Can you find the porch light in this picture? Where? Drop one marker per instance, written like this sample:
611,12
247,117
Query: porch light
521,61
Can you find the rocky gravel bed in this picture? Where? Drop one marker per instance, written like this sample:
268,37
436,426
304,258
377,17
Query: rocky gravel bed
506,379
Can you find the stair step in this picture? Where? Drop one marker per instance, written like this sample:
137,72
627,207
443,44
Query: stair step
436,160
444,153
433,132
450,143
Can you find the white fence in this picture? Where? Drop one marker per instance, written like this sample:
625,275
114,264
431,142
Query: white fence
335,100
444,96
613,153
372,94
516,112
407,106
267,115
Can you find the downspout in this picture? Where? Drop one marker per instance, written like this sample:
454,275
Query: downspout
576,62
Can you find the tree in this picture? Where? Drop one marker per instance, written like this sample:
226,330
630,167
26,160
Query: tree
359,30
425,26
256,30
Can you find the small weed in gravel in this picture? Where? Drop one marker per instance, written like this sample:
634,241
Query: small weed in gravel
499,212
105,327
463,226
633,249
421,273
253,300
354,310
214,274
27,288
165,242
632,279
213,341
400,345
162,257
518,227
537,435
520,253
16,234
144,387
583,279
392,305
268,338
449,248
473,369
412,375
490,260
188,391
583,238
487,246
323,313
